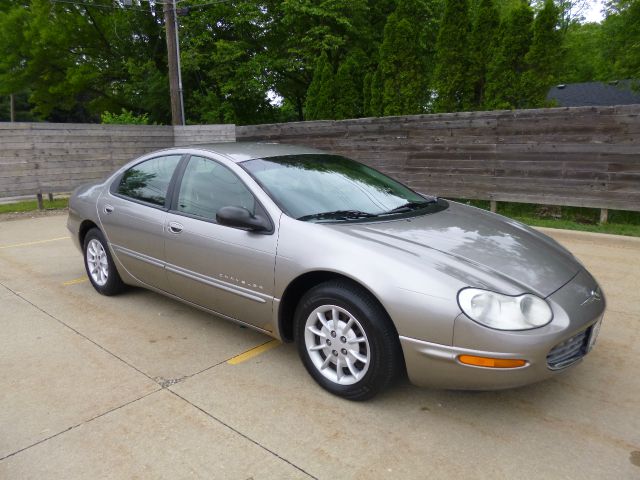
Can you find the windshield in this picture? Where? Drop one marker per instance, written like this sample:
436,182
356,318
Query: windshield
330,187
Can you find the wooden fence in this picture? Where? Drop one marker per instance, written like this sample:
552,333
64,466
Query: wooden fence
49,157
585,156
202,134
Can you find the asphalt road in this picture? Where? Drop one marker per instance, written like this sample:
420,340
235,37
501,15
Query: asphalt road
139,386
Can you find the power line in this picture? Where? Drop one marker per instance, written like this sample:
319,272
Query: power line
126,7
98,5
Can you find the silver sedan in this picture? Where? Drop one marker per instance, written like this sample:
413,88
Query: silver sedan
368,277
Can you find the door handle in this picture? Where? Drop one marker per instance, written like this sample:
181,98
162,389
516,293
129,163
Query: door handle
175,227
108,209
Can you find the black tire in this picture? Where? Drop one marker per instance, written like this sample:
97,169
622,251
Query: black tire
113,284
383,347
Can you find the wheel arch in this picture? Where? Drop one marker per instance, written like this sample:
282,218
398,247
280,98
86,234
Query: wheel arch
302,284
85,226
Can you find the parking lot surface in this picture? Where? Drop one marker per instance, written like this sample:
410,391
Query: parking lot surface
140,386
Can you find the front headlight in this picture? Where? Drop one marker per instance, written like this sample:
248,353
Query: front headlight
503,312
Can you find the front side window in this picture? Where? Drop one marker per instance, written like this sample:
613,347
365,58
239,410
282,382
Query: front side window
149,181
207,186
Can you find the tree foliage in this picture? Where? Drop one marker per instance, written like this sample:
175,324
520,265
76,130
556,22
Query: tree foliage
481,43
402,83
250,61
451,80
569,11
507,64
604,51
125,117
375,108
321,93
349,86
583,56
622,30
79,60
544,57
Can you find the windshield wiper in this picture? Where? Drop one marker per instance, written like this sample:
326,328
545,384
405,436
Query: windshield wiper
410,206
337,215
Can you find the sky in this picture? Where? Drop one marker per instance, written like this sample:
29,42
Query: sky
594,14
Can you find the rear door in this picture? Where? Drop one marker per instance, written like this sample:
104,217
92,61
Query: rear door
133,214
224,269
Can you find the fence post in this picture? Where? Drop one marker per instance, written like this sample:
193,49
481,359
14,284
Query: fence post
604,215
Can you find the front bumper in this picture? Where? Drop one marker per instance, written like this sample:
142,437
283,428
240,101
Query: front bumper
569,334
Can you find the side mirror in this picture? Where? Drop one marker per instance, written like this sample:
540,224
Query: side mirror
240,217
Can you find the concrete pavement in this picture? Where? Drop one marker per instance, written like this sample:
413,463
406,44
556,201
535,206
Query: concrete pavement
139,386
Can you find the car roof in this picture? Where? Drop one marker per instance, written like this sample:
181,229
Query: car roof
241,151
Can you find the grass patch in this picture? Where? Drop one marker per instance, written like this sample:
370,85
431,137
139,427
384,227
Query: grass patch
569,218
31,205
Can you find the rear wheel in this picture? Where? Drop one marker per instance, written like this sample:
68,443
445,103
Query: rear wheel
346,340
99,265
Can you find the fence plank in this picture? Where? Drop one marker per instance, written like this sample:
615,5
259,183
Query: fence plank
585,156
62,156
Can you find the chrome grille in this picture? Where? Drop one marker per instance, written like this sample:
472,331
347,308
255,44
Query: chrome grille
569,351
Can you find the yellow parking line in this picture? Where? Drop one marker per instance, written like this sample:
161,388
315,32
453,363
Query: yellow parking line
254,352
75,281
26,244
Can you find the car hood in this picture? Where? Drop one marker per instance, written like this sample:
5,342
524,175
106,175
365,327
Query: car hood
490,245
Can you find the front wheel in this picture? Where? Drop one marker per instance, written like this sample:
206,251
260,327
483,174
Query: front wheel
99,264
346,340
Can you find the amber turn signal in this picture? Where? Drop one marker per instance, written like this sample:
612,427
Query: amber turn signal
492,362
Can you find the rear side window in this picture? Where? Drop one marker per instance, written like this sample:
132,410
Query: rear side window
149,181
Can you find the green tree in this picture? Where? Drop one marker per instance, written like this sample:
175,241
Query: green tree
569,11
544,58
320,96
452,82
300,30
348,86
583,59
78,60
225,59
376,104
504,73
482,40
334,26
366,94
505,7
621,30
405,56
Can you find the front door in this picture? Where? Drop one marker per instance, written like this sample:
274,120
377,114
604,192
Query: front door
224,269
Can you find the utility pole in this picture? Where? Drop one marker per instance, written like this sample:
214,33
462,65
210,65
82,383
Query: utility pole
12,108
173,50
